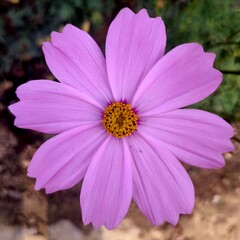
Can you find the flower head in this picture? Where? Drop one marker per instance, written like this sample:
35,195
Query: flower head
120,123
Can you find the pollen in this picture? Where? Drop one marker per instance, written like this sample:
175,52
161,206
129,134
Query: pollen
120,120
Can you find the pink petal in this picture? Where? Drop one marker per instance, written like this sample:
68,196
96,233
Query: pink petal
52,107
161,187
107,187
182,77
193,136
76,60
134,44
62,161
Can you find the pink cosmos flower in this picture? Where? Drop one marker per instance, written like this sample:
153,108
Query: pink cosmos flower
120,122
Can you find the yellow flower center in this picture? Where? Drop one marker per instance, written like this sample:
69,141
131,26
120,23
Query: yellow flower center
120,120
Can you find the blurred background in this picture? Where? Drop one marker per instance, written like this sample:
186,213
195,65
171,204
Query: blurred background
24,25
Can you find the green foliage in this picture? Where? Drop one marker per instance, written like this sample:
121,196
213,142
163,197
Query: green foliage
225,101
24,25
214,24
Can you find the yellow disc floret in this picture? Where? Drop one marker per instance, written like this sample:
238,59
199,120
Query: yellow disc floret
120,120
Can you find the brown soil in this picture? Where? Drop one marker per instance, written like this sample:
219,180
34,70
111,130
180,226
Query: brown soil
216,215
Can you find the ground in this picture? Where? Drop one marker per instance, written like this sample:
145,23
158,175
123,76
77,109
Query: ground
26,214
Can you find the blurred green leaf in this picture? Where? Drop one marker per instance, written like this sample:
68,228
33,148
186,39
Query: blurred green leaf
66,11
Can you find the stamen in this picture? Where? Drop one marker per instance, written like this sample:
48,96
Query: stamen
120,120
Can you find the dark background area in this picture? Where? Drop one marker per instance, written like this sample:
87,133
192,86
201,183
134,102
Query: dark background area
25,24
